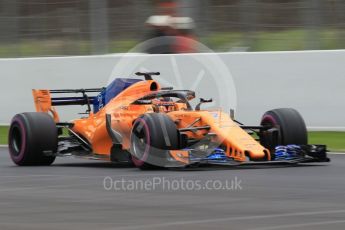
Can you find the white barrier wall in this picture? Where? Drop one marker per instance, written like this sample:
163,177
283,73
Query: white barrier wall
312,82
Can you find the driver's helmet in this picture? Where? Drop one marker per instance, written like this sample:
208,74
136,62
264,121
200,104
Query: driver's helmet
163,104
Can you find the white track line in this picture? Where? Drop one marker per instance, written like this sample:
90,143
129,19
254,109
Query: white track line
227,219
15,189
334,153
300,225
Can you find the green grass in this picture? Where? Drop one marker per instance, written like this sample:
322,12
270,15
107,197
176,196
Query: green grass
335,141
3,135
260,40
278,40
35,48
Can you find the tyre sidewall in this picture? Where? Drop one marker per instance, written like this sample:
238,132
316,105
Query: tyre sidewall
162,135
18,156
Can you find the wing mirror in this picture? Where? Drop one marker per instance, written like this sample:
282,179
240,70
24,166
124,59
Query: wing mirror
202,101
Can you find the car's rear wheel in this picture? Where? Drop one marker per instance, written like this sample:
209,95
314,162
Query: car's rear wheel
32,139
289,124
152,135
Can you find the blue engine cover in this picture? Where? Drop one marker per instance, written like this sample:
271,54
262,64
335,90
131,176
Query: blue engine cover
112,90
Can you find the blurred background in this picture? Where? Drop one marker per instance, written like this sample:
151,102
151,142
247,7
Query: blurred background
84,27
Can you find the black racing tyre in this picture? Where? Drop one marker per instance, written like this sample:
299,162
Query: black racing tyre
152,135
32,139
290,124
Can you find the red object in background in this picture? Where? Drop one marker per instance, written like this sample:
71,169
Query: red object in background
167,8
184,44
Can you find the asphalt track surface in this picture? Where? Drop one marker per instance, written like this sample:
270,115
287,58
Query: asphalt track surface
71,195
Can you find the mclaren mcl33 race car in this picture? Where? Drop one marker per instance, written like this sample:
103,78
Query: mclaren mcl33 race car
149,126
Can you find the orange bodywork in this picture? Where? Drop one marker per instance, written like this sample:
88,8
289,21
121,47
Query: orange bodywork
238,143
42,99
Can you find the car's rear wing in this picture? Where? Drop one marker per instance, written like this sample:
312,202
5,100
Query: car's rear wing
44,102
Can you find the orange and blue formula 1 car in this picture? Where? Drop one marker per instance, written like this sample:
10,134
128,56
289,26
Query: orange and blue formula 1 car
137,121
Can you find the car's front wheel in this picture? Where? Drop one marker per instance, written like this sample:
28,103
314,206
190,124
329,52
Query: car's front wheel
152,135
290,127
